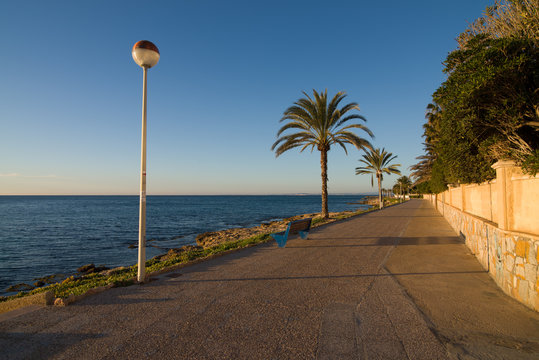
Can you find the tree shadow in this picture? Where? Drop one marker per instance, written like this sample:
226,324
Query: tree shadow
379,241
334,242
122,296
326,277
20,345
409,216
431,240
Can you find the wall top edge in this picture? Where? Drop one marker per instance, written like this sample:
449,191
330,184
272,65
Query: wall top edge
524,177
503,164
481,184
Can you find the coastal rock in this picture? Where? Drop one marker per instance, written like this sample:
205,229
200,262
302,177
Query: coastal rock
369,200
100,268
59,302
212,238
86,268
50,279
90,269
39,282
19,287
65,301
191,247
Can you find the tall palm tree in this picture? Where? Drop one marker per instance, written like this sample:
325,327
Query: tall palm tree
378,162
319,124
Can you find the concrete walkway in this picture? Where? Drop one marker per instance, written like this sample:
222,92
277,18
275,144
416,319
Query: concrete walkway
392,284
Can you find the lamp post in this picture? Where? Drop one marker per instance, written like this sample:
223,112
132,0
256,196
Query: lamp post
146,55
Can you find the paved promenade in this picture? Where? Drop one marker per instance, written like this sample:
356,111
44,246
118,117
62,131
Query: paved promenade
392,284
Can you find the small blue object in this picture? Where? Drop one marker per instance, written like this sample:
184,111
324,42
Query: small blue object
294,227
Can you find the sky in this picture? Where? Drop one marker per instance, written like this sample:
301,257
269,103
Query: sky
71,94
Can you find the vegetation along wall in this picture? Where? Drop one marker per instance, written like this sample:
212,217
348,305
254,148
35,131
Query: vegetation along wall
500,224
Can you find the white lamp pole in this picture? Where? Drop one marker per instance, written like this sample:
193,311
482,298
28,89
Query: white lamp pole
146,55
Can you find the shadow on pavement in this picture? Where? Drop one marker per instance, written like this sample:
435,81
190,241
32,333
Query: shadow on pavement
279,278
51,343
383,241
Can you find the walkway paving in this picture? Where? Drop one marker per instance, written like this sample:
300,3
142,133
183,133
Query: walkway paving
392,284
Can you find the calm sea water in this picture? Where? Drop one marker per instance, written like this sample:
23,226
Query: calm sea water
44,235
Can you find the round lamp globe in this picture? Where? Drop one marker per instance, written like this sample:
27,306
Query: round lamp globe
145,54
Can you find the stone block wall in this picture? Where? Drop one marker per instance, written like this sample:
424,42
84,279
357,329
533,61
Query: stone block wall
500,225
510,258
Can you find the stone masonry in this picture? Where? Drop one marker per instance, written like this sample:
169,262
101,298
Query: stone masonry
511,258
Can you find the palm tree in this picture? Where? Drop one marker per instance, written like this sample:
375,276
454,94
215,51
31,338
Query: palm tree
378,162
320,125
404,184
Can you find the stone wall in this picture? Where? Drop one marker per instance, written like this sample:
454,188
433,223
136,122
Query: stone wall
496,219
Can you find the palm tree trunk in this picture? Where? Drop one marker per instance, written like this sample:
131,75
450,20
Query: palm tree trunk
380,191
324,165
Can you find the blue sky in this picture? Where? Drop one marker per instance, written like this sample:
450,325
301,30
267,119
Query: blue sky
70,95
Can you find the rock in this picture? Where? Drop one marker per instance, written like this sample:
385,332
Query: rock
19,287
86,269
100,268
201,238
50,279
59,302
191,247
39,283
132,246
212,238
64,302
91,268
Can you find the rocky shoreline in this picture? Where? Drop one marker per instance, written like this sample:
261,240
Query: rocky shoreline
204,240
212,238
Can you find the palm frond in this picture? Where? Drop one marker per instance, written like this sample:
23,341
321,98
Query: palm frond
293,125
377,162
348,118
351,106
324,121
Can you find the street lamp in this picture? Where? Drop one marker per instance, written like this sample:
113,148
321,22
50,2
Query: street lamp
146,55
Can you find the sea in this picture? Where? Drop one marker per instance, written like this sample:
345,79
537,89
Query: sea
45,235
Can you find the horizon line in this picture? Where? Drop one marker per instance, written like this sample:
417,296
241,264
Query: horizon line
276,194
